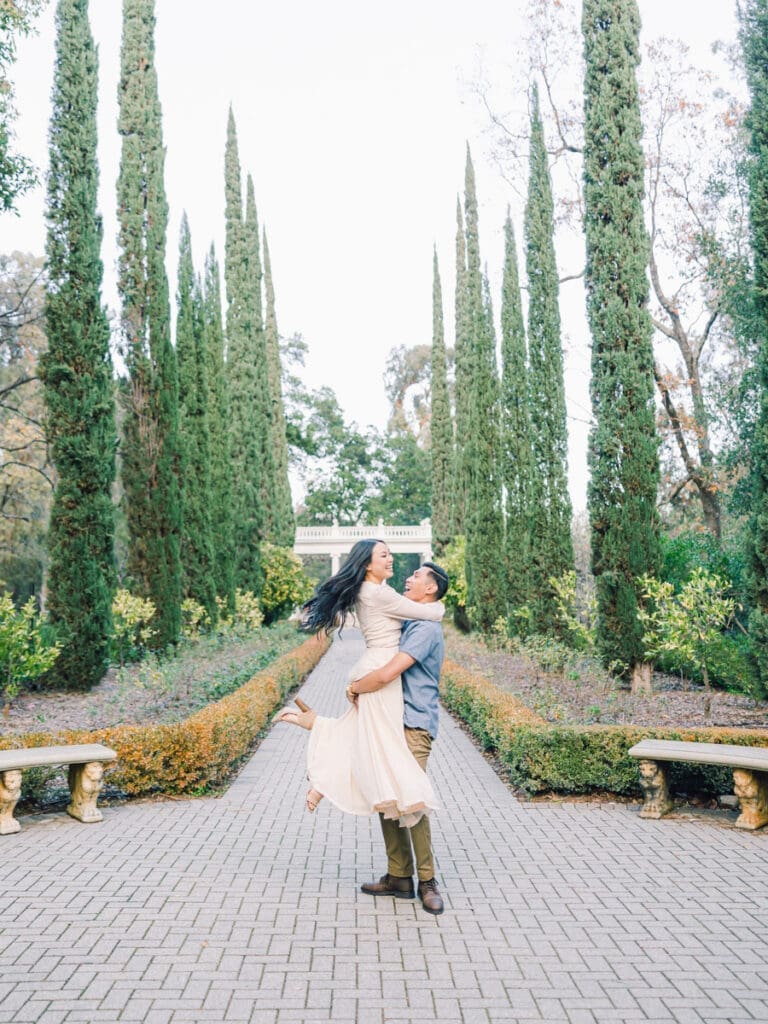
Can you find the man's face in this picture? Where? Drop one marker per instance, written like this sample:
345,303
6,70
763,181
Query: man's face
420,586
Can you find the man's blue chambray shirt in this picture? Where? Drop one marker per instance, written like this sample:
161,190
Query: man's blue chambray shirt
424,642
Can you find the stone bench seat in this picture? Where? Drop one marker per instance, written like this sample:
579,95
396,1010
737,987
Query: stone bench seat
750,775
86,768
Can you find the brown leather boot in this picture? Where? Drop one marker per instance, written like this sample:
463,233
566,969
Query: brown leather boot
430,897
390,885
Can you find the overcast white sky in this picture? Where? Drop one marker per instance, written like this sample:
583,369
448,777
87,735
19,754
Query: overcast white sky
353,120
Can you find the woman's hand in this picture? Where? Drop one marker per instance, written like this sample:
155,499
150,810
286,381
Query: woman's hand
351,695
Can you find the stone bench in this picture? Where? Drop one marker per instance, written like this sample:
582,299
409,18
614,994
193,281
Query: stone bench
750,775
86,767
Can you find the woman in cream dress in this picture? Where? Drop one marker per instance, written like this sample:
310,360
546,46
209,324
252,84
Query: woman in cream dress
361,761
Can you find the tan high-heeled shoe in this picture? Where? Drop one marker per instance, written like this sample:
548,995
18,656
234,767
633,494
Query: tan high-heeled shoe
304,717
313,799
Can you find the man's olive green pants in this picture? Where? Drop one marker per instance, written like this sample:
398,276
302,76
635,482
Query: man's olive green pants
398,840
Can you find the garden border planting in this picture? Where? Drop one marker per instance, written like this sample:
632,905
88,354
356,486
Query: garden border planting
539,757
200,751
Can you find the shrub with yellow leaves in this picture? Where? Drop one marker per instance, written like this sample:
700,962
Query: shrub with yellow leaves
286,585
132,631
201,751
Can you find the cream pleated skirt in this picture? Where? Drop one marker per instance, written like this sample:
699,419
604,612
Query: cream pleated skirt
361,761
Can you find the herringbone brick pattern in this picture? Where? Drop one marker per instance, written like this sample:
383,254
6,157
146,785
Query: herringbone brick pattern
245,908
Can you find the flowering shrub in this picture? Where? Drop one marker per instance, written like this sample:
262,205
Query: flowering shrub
132,630
577,613
688,624
25,654
247,617
194,619
286,585
454,563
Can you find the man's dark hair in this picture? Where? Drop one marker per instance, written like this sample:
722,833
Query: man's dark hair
440,576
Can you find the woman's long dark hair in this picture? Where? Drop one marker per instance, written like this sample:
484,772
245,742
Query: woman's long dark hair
335,597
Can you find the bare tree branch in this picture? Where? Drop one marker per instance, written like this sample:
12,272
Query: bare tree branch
35,441
673,493
663,328
16,384
674,419
34,469
565,146
9,314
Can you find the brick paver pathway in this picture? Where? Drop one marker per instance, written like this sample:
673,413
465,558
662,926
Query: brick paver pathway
245,908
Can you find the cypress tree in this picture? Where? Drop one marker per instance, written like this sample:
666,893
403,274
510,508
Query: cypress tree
486,598
623,450
441,428
284,530
77,369
218,421
197,559
246,447
150,446
262,398
515,428
462,375
754,41
551,544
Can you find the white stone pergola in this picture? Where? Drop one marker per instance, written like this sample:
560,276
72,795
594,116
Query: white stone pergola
336,541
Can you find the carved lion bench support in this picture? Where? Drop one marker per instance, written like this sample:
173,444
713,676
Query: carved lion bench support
86,767
750,775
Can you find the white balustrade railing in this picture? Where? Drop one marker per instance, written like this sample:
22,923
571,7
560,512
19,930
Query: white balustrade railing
338,540
381,532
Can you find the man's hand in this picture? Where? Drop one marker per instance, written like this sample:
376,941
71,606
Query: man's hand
380,677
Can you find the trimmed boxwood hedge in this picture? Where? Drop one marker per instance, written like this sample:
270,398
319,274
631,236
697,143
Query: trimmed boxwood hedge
576,759
202,750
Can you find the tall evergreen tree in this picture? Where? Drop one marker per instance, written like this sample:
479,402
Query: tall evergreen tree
551,544
623,448
197,558
484,521
77,369
753,17
515,428
284,530
218,422
243,381
462,376
262,398
441,428
150,446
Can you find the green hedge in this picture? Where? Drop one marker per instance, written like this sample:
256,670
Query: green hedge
199,752
543,758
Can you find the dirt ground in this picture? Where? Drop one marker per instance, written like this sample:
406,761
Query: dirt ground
153,691
584,694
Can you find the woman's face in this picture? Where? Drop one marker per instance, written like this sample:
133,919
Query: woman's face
380,566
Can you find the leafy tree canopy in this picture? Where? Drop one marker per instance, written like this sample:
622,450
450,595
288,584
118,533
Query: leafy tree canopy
17,174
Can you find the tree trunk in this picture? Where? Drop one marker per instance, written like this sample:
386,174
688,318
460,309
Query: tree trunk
710,505
641,678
